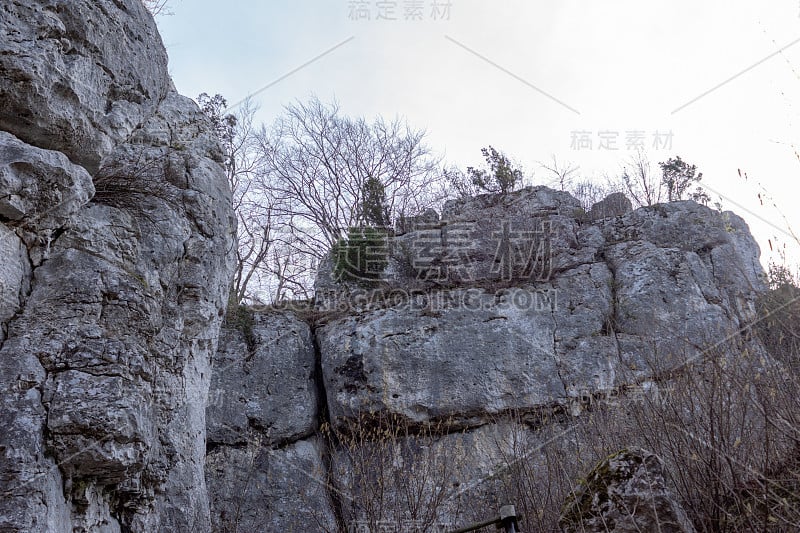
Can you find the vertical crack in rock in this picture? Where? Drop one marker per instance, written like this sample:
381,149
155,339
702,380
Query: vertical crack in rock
23,292
556,358
265,446
323,415
611,320
472,366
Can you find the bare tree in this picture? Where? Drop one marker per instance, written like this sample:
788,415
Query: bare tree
589,192
561,173
320,166
646,188
266,268
639,183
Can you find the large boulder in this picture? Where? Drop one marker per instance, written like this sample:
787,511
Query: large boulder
614,205
626,493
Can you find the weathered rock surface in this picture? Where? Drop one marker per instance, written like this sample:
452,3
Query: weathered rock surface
270,394
625,493
535,307
41,186
491,331
78,77
14,276
260,488
388,484
479,355
116,236
478,347
614,205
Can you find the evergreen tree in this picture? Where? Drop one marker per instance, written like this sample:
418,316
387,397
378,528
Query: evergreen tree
374,208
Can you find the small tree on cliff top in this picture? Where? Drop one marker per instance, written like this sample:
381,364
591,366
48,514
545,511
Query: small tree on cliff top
500,176
678,176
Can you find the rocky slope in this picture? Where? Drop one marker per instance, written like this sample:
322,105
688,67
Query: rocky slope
116,231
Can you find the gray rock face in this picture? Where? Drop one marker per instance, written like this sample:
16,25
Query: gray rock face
78,77
535,307
478,354
614,205
269,393
111,348
441,390
261,474
406,224
41,186
257,488
115,232
14,276
625,493
424,482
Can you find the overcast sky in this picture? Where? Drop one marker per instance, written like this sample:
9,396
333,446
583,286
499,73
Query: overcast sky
715,82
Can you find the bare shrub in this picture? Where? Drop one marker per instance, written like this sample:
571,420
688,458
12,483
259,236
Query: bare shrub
561,173
390,475
780,307
727,429
142,182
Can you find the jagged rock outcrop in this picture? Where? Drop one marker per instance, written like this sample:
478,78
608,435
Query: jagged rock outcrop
490,332
488,335
79,76
116,232
625,493
518,304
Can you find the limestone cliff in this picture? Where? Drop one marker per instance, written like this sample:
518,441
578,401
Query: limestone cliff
487,342
116,231
479,357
